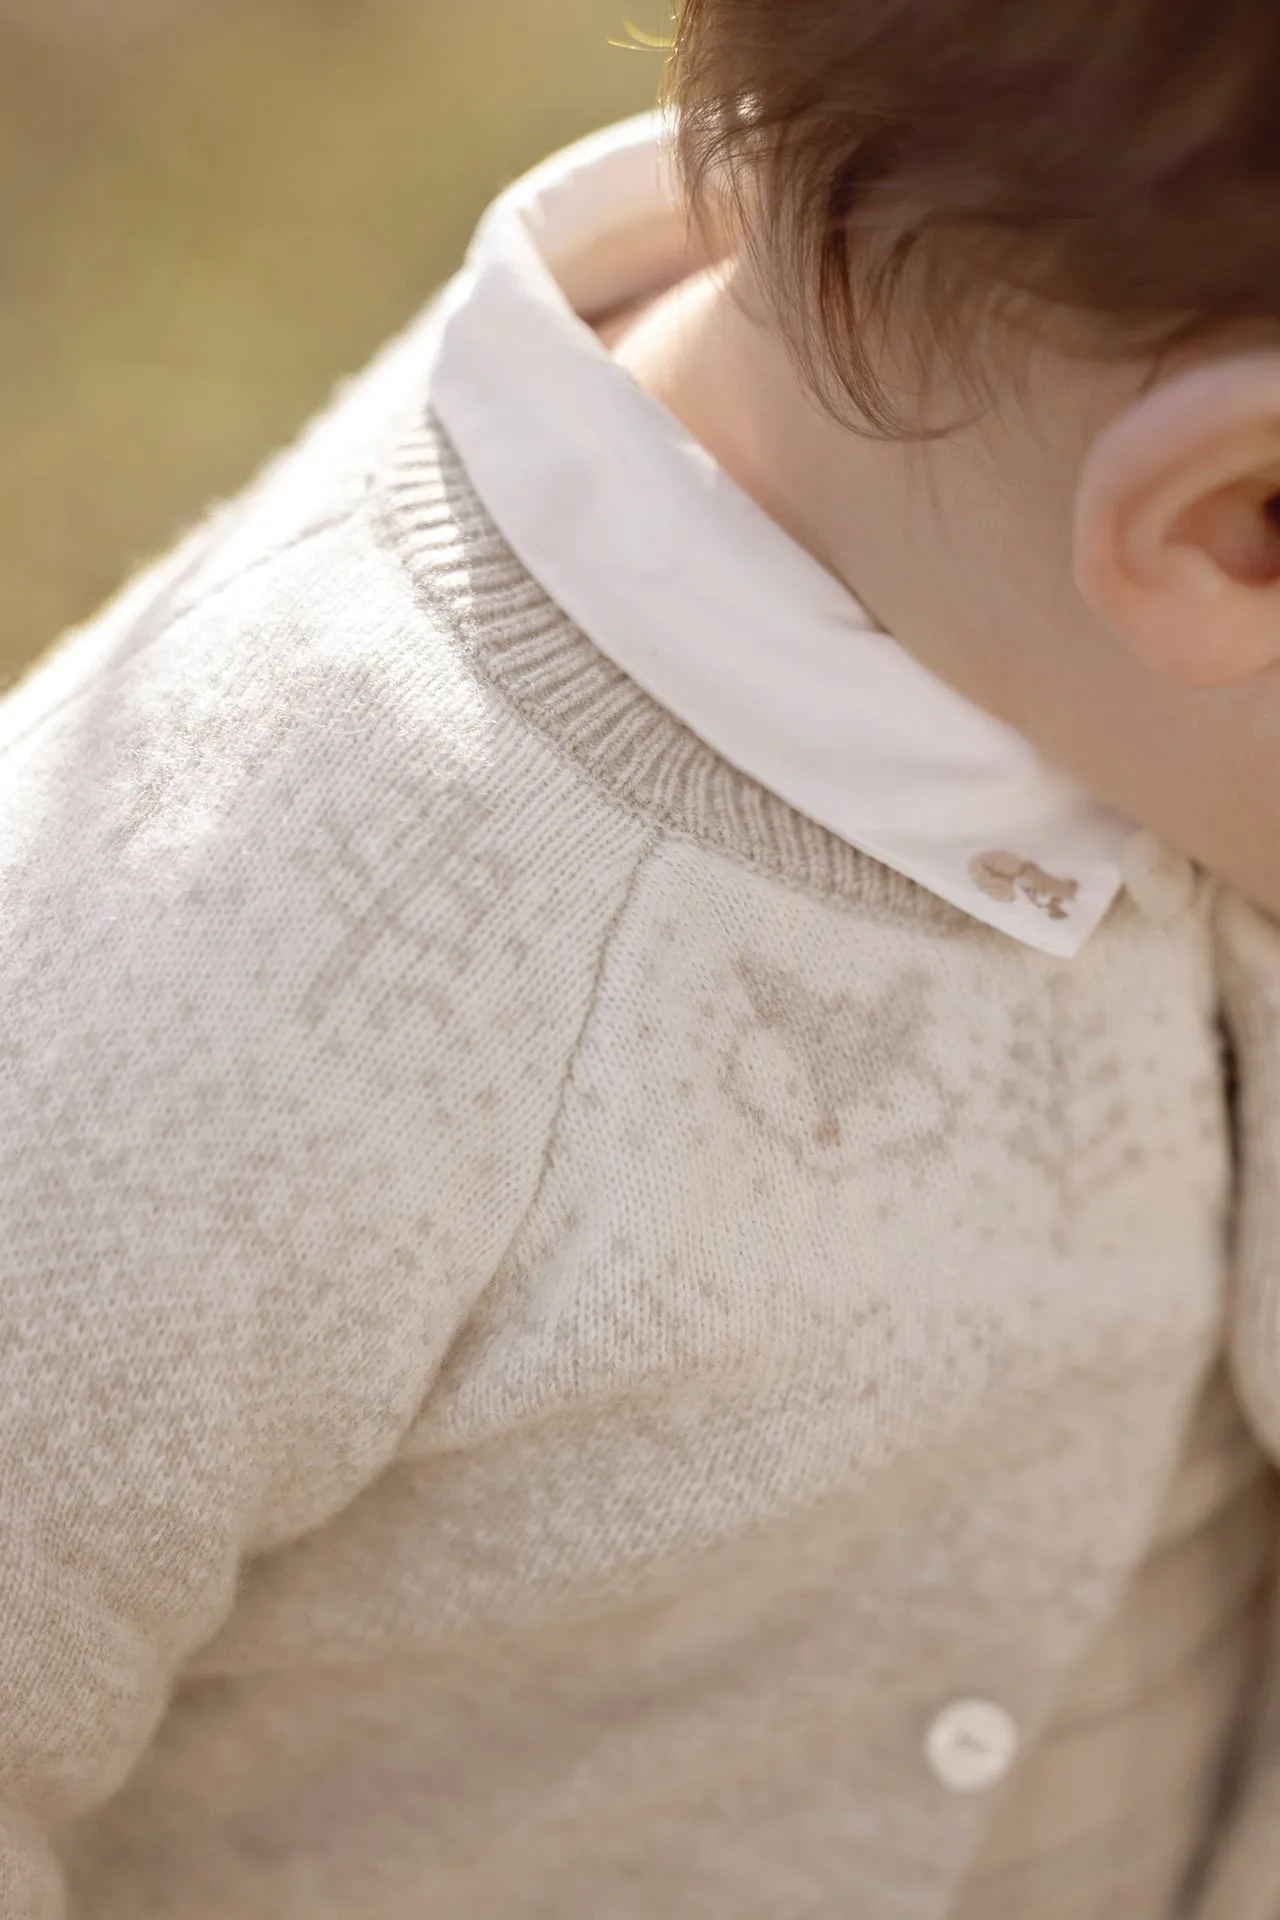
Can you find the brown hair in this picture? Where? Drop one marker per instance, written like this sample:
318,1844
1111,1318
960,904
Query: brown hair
1116,157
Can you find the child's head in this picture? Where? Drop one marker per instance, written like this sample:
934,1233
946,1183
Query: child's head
1063,214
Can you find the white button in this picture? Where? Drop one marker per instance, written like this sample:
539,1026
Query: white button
1161,881
971,1745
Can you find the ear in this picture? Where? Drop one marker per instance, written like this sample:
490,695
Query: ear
1177,522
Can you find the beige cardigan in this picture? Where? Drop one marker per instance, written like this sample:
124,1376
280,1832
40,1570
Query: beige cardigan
561,1327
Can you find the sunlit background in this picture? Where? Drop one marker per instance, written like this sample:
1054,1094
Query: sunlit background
210,210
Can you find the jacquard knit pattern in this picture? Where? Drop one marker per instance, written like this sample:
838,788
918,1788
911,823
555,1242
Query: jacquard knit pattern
555,1315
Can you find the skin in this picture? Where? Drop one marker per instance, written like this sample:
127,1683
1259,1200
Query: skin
1092,558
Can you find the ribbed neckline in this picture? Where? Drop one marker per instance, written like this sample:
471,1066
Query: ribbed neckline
562,687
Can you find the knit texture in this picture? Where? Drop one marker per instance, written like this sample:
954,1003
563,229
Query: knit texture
555,1315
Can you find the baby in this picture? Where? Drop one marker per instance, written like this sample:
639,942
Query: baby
626,1293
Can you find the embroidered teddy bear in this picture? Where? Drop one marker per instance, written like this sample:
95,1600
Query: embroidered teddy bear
1002,876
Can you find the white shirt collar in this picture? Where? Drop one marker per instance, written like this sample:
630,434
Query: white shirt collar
702,599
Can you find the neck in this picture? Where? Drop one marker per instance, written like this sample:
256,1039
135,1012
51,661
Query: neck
865,508
956,546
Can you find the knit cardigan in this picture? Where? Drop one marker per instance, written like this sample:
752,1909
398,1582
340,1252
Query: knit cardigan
557,1319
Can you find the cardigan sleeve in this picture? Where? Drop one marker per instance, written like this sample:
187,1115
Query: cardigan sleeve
286,1017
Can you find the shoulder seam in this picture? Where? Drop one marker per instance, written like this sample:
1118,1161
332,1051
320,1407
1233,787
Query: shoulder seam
653,841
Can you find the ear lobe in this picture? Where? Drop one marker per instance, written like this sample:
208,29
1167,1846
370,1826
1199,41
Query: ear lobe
1177,546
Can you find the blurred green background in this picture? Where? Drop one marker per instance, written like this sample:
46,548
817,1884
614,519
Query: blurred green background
210,210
